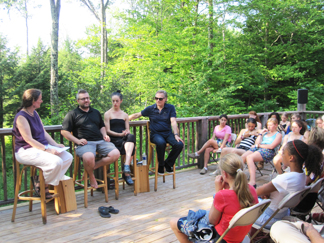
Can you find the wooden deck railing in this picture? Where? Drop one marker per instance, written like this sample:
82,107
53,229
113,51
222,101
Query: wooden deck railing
194,131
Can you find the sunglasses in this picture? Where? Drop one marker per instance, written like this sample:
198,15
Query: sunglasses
160,99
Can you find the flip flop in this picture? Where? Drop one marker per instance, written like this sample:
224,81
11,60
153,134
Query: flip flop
104,212
110,209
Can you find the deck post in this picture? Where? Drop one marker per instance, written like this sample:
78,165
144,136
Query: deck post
202,137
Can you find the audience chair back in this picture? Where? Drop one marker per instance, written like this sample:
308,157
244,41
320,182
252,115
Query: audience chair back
154,169
22,195
314,188
289,201
102,183
246,216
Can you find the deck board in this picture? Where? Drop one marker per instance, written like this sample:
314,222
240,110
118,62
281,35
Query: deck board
142,218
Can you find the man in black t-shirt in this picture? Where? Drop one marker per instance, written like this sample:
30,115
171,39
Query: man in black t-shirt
90,136
162,121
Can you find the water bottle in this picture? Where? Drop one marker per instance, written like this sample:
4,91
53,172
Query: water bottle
144,159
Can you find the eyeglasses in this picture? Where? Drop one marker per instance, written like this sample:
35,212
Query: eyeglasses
160,99
85,98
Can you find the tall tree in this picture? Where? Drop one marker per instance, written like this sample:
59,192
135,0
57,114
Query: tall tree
55,13
100,14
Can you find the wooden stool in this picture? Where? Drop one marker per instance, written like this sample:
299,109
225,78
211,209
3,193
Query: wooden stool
31,198
154,169
115,175
103,182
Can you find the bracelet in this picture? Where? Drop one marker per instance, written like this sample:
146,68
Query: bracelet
260,134
176,134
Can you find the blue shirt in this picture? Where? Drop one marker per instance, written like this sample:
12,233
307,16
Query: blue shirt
160,121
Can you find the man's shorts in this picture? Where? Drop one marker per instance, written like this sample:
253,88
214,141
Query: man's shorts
102,147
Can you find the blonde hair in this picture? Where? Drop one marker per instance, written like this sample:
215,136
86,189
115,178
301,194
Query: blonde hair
316,136
273,120
256,116
232,164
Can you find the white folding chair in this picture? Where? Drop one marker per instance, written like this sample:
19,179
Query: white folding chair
314,188
289,201
246,216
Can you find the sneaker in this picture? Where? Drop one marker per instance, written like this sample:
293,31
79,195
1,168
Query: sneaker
193,155
128,179
168,169
161,170
215,173
203,171
127,169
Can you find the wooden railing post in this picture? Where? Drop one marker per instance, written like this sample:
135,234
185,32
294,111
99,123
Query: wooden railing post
202,137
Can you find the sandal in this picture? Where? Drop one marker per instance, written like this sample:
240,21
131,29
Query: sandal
104,212
48,195
110,209
36,185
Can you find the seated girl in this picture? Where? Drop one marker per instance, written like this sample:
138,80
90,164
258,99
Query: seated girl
253,114
245,139
298,130
276,116
296,153
264,148
284,123
319,122
222,134
232,194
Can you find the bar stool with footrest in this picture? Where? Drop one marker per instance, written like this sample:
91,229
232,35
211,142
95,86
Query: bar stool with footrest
115,175
154,169
22,195
101,183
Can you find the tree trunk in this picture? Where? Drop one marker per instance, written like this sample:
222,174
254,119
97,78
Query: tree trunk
266,65
210,30
26,22
55,12
104,42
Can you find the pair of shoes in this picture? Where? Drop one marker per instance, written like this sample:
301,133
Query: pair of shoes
168,169
260,165
127,169
35,182
203,171
193,155
161,170
106,211
128,179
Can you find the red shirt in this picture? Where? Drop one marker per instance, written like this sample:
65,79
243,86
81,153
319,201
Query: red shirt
226,202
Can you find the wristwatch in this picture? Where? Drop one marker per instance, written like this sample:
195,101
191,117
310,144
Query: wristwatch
176,134
46,147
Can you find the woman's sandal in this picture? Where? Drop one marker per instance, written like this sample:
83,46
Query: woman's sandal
36,185
48,195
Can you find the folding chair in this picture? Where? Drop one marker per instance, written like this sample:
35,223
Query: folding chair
289,201
246,216
318,200
314,188
232,144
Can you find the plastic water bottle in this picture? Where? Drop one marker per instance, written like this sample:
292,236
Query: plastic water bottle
144,159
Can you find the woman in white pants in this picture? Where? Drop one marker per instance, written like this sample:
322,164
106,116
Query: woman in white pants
34,146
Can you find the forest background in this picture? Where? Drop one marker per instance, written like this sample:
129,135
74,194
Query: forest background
212,57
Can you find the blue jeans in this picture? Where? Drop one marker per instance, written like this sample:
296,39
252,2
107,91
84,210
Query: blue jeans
160,142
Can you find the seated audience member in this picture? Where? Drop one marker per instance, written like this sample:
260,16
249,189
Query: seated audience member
89,135
163,119
284,123
264,148
298,129
222,134
245,139
295,154
294,117
276,116
232,194
117,126
298,232
34,146
254,115
319,122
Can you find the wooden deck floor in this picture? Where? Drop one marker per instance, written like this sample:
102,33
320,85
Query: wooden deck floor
142,218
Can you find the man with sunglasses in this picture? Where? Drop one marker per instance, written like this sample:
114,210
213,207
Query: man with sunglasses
162,121
90,136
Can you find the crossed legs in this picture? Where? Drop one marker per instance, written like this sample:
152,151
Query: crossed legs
249,158
210,146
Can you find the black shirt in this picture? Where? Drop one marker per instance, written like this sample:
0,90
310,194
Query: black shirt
83,124
160,121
